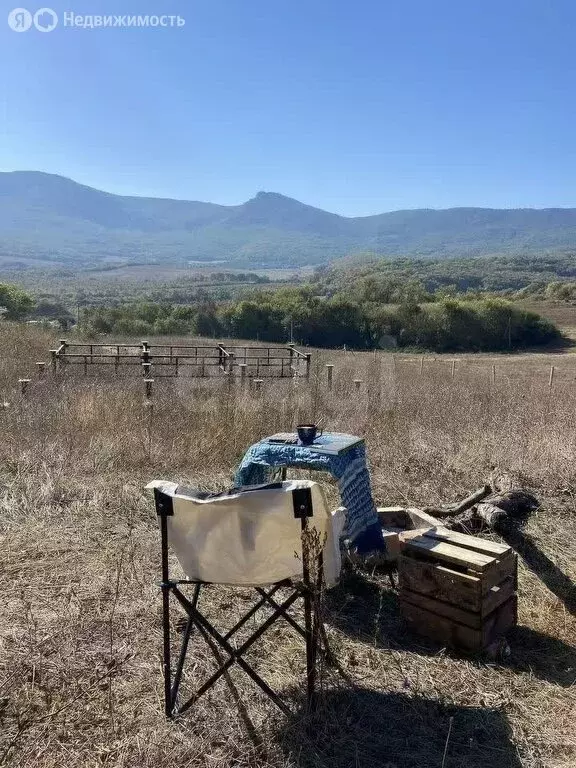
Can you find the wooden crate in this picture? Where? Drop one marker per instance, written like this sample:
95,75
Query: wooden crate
458,589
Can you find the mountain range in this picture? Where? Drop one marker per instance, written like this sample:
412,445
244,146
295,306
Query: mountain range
45,218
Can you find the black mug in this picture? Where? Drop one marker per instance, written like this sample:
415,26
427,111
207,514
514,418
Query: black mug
307,433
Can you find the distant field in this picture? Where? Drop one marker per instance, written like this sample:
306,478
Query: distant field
564,315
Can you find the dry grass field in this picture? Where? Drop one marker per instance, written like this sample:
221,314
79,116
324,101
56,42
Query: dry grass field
80,629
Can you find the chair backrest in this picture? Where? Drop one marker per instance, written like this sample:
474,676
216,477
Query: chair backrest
250,535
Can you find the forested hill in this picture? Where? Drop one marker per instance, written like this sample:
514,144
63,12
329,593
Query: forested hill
47,218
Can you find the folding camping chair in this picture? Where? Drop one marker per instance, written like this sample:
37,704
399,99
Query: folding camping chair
255,537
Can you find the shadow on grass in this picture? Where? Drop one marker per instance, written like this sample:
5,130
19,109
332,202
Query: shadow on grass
547,571
360,727
369,611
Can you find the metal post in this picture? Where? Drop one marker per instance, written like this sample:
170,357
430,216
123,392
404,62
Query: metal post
54,360
422,364
329,371
357,384
176,368
86,364
453,368
242,367
308,361
146,370
493,374
551,379
231,364
41,368
148,387
258,385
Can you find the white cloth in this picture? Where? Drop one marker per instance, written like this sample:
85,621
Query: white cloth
250,537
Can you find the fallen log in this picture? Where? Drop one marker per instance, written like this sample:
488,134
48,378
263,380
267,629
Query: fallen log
449,510
508,509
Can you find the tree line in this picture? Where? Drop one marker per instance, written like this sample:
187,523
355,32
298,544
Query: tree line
361,320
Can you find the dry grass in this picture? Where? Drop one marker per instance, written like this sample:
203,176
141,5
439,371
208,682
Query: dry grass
80,633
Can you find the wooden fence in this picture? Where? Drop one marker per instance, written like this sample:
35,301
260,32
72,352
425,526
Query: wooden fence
218,359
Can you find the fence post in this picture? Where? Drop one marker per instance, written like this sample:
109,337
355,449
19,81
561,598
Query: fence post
146,370
453,368
231,364
291,348
62,352
493,374
551,379
86,364
148,388
329,371
308,361
24,386
54,360
422,364
242,367
357,384
41,368
258,385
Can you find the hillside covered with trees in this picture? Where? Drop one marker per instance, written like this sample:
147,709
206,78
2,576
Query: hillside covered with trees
441,324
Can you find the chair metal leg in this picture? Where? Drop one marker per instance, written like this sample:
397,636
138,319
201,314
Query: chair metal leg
184,649
293,623
235,654
309,618
166,586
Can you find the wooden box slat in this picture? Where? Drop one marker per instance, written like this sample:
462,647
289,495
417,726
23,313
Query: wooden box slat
457,635
492,600
485,547
450,553
440,582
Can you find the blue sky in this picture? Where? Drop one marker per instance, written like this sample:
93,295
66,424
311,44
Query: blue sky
356,107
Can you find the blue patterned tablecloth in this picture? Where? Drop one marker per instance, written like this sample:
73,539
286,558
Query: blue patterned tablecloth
348,467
